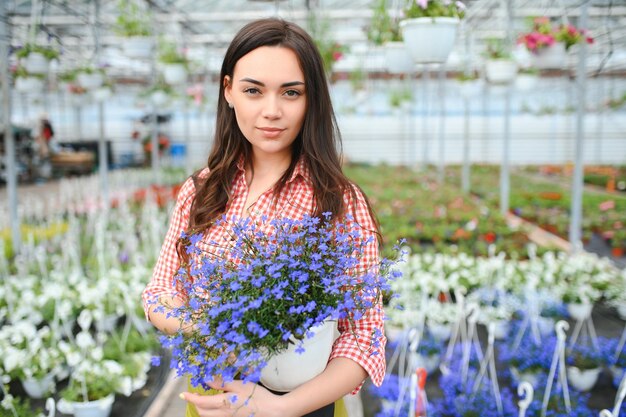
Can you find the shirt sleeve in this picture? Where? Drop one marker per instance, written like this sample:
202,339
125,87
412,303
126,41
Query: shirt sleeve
356,340
167,265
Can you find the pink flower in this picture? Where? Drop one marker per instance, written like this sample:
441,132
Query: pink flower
460,5
337,56
422,3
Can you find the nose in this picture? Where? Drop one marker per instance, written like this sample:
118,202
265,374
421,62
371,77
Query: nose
271,109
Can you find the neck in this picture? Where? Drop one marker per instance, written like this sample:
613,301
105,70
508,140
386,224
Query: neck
270,165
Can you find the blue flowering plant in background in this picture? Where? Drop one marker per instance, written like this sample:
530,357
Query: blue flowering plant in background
271,282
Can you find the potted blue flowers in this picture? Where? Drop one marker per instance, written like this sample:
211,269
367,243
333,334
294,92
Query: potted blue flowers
429,28
584,364
275,287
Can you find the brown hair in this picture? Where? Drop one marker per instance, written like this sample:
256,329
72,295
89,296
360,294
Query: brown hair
316,143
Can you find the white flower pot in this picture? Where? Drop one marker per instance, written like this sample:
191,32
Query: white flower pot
175,73
469,88
582,380
621,310
579,311
38,388
159,98
429,40
441,332
97,408
500,71
553,56
397,58
531,377
90,81
102,94
29,84
36,63
138,46
288,370
429,363
526,82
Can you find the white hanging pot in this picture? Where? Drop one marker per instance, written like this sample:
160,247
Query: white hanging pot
441,332
397,58
550,57
38,388
500,71
96,408
469,88
531,377
174,73
138,46
29,84
429,39
36,63
90,81
621,310
582,380
526,82
580,311
102,94
429,363
288,370
159,98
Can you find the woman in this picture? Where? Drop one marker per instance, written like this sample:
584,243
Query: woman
274,154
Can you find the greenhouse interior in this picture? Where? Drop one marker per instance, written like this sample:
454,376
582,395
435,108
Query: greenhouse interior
489,137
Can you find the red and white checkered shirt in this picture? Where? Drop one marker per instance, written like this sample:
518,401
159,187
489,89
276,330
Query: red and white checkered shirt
295,201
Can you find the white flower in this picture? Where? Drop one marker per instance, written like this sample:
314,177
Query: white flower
84,340
84,319
7,402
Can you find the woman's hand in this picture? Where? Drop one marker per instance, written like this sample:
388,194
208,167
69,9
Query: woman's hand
239,399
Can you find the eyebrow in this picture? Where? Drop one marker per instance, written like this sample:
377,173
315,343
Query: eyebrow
259,83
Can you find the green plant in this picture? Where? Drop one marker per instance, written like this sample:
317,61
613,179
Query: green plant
397,97
96,388
132,20
528,71
496,49
383,28
467,76
169,54
20,72
47,51
434,8
357,79
330,50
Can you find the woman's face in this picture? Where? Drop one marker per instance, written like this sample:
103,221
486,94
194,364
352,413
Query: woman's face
267,92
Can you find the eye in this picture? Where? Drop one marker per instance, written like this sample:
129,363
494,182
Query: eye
293,93
252,91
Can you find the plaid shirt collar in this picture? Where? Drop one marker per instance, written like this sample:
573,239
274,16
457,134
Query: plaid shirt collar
300,170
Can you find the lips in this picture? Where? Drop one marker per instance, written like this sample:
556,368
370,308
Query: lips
271,132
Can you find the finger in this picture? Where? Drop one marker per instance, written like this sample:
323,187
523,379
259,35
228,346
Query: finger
207,402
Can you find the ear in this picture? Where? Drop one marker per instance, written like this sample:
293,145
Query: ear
228,86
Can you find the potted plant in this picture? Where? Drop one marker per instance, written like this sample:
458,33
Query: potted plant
469,84
273,257
500,68
527,78
330,50
618,243
175,63
531,360
547,45
89,77
584,364
36,58
384,31
26,82
429,28
160,94
133,24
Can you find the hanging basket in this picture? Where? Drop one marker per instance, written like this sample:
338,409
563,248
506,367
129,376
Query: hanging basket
526,82
551,57
174,73
500,71
429,39
29,84
96,408
102,94
583,379
288,370
38,388
36,63
90,81
138,46
397,58
159,98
